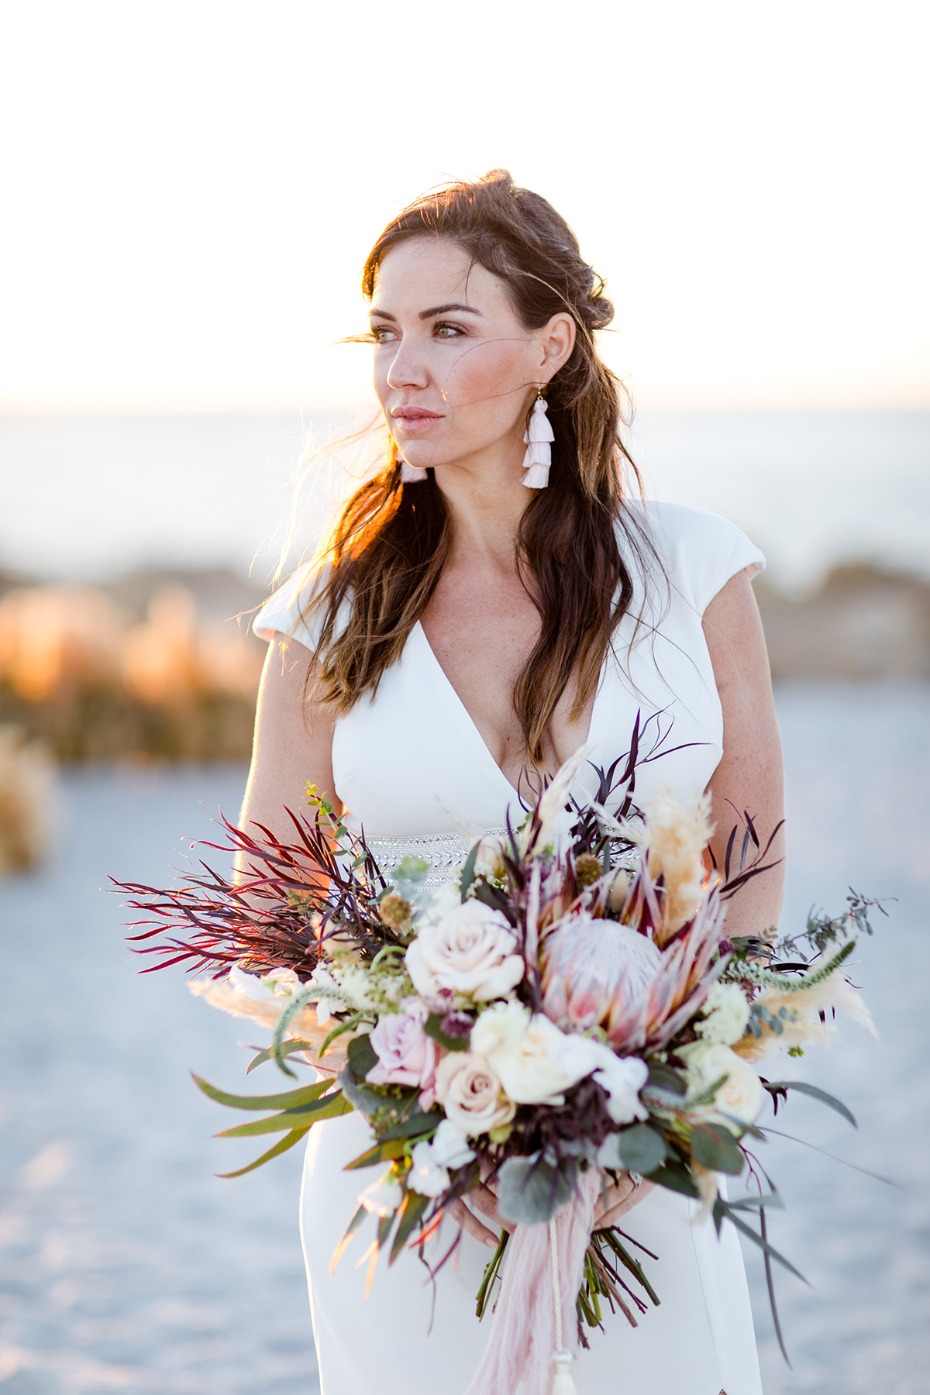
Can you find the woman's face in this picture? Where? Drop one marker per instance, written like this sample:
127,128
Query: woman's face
455,370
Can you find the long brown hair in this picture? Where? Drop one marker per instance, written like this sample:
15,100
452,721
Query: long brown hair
392,540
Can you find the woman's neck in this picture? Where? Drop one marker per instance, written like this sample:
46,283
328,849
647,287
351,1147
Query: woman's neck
486,507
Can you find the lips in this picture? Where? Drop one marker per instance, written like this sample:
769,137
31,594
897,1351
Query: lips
413,414
413,421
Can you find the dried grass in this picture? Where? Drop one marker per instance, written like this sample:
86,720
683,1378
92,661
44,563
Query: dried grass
79,672
27,802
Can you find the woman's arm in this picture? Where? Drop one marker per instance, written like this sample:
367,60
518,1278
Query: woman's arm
293,742
749,776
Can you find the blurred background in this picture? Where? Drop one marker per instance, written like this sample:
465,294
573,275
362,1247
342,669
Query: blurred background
189,192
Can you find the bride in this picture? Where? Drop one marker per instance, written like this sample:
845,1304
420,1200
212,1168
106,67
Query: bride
476,623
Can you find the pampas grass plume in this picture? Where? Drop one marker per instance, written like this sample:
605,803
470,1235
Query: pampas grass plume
27,802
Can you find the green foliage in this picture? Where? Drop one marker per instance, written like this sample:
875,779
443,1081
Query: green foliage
531,1189
715,1148
299,1110
780,1087
293,1047
642,1149
822,931
361,1056
290,1099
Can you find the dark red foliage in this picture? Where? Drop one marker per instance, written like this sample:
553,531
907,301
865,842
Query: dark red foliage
275,913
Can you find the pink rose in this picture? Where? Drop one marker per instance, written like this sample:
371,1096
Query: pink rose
406,1055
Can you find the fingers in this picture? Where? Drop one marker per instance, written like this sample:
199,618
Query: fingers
485,1200
471,1224
617,1200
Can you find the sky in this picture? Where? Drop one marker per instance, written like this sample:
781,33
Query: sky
190,189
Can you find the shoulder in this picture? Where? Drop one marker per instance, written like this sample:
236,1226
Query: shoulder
699,550
291,611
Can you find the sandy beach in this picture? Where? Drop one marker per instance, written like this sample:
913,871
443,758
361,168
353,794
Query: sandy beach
126,1265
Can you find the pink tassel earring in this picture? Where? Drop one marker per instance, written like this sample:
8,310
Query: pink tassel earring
410,474
538,438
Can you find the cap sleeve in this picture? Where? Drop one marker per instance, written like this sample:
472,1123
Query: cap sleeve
701,550
284,611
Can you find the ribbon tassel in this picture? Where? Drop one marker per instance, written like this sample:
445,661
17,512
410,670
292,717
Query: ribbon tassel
534,1320
537,438
562,1383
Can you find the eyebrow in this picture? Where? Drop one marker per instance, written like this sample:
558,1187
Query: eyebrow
428,314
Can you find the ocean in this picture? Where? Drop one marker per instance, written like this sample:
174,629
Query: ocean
85,498
127,1265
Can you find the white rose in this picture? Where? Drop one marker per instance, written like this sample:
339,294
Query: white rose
727,1014
540,1063
469,952
622,1077
499,1026
470,1093
741,1095
426,1176
450,1146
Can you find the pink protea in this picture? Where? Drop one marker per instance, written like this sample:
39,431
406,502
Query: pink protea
608,974
596,973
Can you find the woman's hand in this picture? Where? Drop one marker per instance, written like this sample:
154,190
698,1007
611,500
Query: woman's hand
482,1199
617,1198
614,1201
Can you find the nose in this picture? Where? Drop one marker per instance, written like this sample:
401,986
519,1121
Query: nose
407,367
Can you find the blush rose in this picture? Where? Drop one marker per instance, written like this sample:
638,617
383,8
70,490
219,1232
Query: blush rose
470,1093
470,952
406,1055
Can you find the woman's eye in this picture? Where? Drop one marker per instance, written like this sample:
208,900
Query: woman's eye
447,331
382,334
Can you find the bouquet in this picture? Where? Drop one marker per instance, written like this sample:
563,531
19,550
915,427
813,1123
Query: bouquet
565,1011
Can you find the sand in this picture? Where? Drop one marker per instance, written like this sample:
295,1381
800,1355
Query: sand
128,1266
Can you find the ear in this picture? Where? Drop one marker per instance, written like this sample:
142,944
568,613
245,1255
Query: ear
556,341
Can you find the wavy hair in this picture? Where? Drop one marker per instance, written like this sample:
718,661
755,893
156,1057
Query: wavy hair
391,542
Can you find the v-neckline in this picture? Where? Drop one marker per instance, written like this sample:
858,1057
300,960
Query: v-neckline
473,725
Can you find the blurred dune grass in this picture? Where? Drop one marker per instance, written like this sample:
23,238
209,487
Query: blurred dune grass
96,681
160,666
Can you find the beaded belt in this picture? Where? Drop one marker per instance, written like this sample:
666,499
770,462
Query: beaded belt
445,853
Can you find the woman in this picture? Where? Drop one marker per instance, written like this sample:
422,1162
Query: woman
468,635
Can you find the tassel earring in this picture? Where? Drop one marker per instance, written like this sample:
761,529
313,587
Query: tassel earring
539,435
410,474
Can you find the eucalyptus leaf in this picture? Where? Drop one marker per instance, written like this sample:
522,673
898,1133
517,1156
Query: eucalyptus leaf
531,1190
293,1048
381,1152
412,1123
468,871
763,1244
367,1100
814,1090
675,1178
667,1079
290,1099
757,1203
361,1056
282,1146
414,1208
329,1107
641,1148
714,1147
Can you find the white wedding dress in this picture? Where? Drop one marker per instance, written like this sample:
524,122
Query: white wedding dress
410,765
